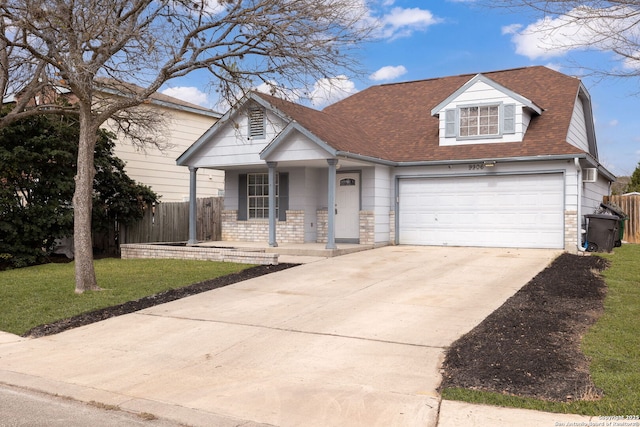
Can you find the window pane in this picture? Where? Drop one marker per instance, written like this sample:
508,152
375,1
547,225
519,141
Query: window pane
258,195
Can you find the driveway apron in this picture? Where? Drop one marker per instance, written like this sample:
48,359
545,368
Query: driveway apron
355,340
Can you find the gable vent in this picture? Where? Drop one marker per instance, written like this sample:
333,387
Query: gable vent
589,175
256,123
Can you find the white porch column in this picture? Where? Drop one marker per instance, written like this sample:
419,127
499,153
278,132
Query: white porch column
331,205
272,204
193,214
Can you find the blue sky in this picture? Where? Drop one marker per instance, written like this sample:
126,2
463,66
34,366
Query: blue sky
427,39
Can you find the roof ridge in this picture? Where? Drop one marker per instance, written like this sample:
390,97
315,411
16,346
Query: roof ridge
506,70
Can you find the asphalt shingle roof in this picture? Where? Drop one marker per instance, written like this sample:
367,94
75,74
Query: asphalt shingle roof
394,122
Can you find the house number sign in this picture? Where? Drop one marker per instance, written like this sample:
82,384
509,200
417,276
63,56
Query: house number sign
476,166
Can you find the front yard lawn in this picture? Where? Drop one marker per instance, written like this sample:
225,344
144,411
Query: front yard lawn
43,294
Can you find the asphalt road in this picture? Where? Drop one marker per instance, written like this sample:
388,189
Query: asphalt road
20,407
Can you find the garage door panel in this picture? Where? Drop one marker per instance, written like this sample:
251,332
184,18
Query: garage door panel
494,211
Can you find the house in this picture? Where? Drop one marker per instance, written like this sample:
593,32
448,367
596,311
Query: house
183,124
498,159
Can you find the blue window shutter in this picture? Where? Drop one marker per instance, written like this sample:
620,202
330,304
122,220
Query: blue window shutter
242,197
509,123
450,123
283,196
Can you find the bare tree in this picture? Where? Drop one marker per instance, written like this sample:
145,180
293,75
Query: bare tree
567,25
96,47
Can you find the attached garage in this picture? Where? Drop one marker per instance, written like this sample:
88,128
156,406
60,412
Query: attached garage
524,211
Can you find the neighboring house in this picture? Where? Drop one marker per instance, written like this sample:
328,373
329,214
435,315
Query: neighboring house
185,123
498,159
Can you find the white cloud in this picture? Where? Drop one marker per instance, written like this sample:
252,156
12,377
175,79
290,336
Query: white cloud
188,93
400,22
328,91
511,29
388,73
630,62
613,123
580,29
554,66
272,88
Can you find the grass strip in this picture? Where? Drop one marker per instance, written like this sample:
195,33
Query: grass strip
43,294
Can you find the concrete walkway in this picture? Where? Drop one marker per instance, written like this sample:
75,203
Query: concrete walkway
355,340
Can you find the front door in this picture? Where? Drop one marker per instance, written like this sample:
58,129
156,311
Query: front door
347,221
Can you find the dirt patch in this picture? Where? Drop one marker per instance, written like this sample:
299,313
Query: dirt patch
150,301
530,346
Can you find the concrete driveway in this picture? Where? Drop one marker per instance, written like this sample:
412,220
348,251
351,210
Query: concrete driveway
355,340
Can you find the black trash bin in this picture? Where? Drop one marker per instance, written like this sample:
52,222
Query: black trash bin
609,208
602,232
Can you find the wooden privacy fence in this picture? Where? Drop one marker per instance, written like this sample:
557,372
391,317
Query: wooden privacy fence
630,205
169,222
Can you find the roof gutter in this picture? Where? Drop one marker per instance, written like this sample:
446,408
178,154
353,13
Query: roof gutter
568,157
202,111
491,159
601,169
361,157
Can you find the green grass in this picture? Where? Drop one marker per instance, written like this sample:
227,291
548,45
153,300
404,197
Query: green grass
612,344
43,294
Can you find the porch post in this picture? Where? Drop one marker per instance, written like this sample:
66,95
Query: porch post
272,204
193,215
331,205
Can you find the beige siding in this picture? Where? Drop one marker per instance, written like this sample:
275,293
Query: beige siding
157,168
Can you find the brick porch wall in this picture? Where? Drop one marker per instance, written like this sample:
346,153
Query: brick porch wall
392,227
367,227
322,219
257,230
570,231
203,253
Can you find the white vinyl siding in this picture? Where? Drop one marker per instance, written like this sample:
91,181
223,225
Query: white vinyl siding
512,118
577,135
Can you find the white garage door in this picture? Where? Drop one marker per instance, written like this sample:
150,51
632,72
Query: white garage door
523,211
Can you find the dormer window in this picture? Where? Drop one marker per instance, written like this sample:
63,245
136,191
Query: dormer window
256,123
480,121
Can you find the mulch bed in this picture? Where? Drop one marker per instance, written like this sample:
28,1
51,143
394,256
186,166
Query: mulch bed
530,346
150,301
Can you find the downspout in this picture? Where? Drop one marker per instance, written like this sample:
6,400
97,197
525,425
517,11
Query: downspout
193,206
579,210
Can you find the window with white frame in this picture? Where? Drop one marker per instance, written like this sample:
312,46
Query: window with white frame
481,120
258,195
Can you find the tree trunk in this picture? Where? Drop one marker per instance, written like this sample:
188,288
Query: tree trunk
82,205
